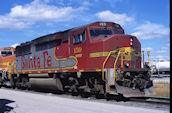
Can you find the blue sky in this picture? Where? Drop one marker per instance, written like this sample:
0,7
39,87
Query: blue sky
24,20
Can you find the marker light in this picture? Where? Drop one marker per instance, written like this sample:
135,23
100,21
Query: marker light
131,41
127,65
102,24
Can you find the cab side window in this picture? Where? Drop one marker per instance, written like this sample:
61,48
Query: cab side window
6,53
79,38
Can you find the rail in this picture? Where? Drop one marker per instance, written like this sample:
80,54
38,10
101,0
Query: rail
151,100
160,102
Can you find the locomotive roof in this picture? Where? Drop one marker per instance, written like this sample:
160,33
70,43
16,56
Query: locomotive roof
7,49
51,37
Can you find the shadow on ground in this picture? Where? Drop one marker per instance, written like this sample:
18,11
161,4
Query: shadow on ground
4,107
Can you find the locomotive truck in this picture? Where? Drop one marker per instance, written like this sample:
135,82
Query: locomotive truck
98,58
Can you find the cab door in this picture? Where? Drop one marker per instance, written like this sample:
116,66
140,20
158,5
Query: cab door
65,45
78,48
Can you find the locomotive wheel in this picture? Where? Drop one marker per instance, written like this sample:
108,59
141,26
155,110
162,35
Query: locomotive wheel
99,96
12,82
118,97
85,94
75,93
22,83
0,81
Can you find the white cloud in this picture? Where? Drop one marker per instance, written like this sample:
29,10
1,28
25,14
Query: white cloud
121,19
14,45
155,51
161,51
150,30
156,54
148,49
164,48
37,11
86,3
159,58
7,22
162,57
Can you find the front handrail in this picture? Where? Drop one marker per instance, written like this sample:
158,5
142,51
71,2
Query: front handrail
121,51
105,63
115,64
9,69
109,54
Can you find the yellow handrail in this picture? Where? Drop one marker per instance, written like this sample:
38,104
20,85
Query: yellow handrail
122,64
115,64
105,63
151,70
120,50
9,69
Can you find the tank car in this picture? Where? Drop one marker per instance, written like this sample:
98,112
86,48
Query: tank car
98,58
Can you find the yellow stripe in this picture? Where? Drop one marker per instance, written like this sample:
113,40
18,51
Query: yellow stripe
58,59
63,70
5,63
98,70
128,50
98,54
81,70
78,55
49,71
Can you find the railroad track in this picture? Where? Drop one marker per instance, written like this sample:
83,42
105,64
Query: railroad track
147,100
151,100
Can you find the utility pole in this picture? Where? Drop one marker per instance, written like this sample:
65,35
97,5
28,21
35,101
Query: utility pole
158,66
150,63
143,62
148,57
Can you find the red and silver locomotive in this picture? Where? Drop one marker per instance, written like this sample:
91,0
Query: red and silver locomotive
98,58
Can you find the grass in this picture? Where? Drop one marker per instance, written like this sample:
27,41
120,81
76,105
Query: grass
162,89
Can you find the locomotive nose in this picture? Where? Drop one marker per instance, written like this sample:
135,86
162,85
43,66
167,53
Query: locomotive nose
119,41
131,57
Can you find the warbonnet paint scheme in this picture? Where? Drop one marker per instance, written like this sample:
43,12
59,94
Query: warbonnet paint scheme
98,58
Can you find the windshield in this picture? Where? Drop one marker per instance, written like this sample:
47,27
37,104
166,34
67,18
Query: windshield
118,32
6,53
97,32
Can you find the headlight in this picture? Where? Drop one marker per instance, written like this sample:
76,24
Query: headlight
127,65
131,41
